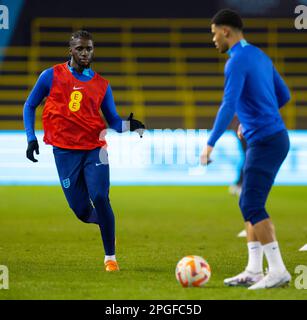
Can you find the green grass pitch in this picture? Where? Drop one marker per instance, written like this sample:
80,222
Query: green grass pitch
52,255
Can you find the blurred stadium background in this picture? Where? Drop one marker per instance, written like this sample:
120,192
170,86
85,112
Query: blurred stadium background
164,69
159,59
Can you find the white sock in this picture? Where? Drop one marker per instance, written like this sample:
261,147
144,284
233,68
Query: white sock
273,256
255,257
106,258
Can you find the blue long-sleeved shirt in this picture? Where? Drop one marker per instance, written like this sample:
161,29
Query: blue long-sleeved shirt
42,89
254,90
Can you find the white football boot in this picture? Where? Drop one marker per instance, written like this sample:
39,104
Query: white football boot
272,280
245,278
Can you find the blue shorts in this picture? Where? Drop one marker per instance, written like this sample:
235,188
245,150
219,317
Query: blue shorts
84,176
263,160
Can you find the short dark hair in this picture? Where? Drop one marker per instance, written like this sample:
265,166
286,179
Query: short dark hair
80,34
228,17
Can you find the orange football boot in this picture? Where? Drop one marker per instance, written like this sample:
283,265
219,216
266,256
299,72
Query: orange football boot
111,265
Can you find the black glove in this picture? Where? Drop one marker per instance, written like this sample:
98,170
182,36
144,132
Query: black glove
136,125
32,146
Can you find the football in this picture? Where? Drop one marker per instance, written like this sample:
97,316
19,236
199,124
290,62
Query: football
193,271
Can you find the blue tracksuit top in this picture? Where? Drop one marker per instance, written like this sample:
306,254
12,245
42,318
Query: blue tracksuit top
253,90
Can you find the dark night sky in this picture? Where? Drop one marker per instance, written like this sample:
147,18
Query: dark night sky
139,9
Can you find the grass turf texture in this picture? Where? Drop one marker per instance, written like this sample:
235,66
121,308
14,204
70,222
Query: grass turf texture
52,255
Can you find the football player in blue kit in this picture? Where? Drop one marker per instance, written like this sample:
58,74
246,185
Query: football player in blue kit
254,91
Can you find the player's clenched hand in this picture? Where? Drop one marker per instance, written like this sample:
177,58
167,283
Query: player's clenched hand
32,146
239,132
205,156
136,125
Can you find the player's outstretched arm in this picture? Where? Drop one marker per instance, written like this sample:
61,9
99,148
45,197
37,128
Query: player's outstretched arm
32,146
115,122
234,82
38,93
108,109
205,155
136,125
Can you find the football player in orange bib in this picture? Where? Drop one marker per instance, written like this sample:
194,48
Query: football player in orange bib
75,128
